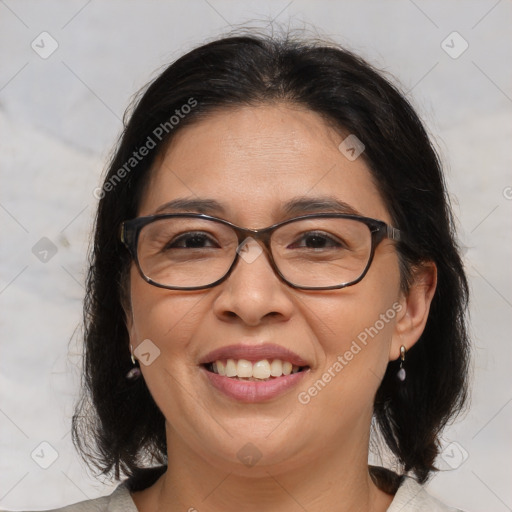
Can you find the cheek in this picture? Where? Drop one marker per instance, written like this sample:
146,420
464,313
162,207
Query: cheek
170,321
355,341
354,329
162,315
360,328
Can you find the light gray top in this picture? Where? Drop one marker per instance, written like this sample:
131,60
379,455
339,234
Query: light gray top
410,497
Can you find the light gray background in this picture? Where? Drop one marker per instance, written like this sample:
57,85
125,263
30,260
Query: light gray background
60,116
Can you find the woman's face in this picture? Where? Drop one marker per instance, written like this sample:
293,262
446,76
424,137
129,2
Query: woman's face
253,161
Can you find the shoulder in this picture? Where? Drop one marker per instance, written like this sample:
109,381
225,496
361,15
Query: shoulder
412,497
119,501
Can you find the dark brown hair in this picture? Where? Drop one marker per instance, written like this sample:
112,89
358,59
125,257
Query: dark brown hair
117,426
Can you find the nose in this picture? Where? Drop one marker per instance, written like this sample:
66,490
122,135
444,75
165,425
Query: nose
253,293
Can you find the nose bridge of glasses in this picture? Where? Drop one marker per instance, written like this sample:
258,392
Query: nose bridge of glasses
252,243
246,236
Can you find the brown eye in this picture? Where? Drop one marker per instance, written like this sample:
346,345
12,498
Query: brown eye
316,240
193,240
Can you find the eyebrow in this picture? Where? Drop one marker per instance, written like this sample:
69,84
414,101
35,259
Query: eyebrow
207,206
295,206
327,204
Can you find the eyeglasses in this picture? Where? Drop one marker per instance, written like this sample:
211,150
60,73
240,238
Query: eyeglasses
195,251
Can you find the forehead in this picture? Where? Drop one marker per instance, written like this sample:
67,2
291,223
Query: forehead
253,161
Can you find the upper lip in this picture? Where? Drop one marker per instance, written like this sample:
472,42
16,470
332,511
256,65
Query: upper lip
254,353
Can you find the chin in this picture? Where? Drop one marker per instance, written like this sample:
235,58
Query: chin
252,455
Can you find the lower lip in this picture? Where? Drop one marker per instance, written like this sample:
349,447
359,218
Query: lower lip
253,391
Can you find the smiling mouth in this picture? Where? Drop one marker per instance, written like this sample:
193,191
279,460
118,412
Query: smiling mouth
258,371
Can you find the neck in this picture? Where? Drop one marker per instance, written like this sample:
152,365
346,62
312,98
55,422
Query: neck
336,479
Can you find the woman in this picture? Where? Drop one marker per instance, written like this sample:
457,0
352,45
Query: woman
274,278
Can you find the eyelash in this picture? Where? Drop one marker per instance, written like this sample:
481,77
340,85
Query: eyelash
186,237
324,236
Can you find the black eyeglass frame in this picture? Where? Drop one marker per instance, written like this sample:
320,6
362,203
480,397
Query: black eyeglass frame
379,230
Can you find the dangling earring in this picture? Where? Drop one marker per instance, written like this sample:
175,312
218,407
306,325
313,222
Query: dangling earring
135,372
401,372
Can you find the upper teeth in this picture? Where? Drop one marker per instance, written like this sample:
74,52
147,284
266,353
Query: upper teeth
259,370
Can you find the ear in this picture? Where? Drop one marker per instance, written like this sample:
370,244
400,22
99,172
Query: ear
415,303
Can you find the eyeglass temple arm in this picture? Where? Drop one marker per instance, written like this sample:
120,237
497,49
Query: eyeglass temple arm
122,233
126,236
